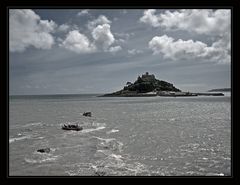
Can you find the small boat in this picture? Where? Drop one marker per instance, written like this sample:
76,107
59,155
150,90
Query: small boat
72,127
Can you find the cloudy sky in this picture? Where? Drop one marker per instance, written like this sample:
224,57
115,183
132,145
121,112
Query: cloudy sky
75,51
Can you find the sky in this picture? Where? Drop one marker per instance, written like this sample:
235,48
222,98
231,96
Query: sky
80,51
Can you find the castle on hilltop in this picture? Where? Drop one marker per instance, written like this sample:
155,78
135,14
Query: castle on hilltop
147,77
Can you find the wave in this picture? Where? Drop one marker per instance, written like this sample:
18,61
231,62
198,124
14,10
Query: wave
11,140
112,131
92,129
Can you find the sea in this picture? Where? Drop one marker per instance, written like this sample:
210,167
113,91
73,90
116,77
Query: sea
126,136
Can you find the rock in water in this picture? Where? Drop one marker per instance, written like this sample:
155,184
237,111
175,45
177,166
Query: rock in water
100,173
88,114
44,150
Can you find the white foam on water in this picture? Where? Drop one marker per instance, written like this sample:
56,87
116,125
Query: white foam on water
106,140
110,144
117,157
42,157
112,164
11,140
92,129
75,146
215,174
116,164
79,169
112,131
45,159
120,145
105,152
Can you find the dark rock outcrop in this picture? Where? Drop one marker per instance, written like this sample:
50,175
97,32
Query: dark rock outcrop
88,114
44,150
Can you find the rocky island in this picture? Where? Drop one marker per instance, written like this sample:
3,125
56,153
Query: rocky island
148,85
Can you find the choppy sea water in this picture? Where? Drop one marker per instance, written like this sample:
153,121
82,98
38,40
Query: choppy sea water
126,136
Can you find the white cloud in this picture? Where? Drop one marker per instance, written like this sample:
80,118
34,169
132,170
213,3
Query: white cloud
189,50
27,29
134,51
83,12
63,27
102,41
207,22
99,21
103,36
78,43
149,17
201,21
115,49
213,23
47,26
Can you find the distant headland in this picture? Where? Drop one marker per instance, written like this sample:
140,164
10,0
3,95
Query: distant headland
220,90
148,85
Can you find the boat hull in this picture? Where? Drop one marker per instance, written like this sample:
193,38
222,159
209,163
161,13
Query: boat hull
76,129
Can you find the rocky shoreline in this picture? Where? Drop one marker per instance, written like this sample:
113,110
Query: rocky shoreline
184,94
